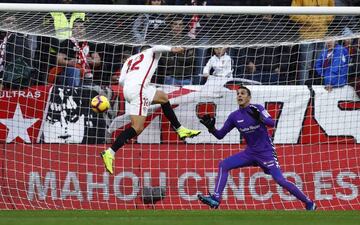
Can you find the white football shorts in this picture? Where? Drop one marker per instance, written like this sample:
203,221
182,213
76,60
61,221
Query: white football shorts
138,101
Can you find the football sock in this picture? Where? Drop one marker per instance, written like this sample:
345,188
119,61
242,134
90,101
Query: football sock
170,115
111,151
295,191
279,178
220,183
123,138
232,162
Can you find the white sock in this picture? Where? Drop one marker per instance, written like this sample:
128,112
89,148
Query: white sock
179,128
112,152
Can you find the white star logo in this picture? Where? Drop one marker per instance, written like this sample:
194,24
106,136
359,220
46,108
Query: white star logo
18,126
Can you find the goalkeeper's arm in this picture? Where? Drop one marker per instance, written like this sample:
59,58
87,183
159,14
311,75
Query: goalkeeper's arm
260,114
209,122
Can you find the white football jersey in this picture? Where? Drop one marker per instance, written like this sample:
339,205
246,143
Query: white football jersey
139,69
222,66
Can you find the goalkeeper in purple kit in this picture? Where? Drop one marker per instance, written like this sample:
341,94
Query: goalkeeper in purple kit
251,121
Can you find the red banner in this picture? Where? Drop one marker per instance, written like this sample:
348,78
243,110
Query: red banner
300,118
21,114
73,177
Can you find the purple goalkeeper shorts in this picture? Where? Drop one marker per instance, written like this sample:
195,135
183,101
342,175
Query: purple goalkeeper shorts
266,160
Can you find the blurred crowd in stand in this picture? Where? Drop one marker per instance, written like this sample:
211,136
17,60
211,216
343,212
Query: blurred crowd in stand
65,60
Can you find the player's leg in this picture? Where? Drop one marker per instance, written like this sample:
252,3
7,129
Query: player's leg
241,159
137,126
162,98
137,109
270,164
277,175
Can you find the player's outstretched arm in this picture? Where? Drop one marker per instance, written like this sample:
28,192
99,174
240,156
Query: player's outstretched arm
209,123
177,50
164,48
161,48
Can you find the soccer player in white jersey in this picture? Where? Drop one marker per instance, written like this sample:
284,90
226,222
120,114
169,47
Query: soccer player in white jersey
135,77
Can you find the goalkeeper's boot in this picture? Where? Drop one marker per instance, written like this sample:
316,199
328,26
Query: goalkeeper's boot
209,200
108,160
311,206
184,132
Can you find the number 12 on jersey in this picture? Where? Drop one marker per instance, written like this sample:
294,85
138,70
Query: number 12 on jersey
133,64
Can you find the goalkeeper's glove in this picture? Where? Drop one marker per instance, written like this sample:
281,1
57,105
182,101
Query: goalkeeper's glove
208,121
255,113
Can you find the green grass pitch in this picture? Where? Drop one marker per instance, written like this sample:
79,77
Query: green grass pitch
178,217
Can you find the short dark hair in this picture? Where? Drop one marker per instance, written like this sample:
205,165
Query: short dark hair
172,18
245,88
144,47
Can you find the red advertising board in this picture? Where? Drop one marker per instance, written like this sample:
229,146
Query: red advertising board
73,177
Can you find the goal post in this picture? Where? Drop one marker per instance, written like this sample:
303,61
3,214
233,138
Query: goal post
55,58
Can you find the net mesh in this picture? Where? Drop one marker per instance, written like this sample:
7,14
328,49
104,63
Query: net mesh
52,65
201,30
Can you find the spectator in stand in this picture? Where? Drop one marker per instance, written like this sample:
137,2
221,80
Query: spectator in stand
333,65
125,54
312,27
63,22
221,64
15,56
3,40
45,57
353,47
344,21
268,65
77,58
149,26
46,54
177,68
270,29
196,28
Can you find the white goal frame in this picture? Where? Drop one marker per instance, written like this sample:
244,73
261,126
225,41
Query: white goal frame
167,9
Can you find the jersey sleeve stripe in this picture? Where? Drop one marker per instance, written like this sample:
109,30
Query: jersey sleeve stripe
143,82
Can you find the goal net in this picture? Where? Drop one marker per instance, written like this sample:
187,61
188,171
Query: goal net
301,64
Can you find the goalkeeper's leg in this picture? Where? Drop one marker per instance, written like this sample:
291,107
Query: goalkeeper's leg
183,132
209,200
280,179
241,159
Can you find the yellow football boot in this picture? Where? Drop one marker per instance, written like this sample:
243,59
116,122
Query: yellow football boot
184,132
108,160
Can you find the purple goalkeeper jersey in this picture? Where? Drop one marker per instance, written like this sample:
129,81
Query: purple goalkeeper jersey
254,132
